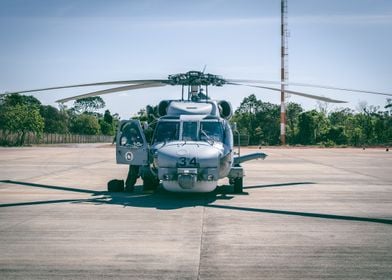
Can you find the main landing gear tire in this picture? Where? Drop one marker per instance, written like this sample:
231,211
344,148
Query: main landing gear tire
150,183
116,185
238,186
133,174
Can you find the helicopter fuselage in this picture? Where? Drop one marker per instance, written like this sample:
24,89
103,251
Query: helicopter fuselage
191,149
198,156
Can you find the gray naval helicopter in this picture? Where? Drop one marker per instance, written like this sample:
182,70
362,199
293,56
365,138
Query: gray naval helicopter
191,148
192,145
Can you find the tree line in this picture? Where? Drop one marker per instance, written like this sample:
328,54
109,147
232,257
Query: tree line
21,114
370,125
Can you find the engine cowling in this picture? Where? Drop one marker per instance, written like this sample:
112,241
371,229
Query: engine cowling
225,109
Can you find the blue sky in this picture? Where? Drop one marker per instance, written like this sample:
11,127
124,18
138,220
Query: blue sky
340,43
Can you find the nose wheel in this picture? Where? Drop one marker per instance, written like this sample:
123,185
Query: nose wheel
238,185
236,176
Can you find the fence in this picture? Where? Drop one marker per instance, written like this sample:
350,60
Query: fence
52,138
244,139
12,139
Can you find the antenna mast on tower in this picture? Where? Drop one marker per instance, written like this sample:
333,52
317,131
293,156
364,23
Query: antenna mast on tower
284,70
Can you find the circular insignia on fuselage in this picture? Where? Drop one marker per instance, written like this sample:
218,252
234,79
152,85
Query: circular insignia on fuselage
129,156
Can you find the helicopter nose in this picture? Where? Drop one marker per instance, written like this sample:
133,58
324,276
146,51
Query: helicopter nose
190,167
198,155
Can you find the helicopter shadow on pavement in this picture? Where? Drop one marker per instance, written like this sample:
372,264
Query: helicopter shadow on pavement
163,200
159,199
279,185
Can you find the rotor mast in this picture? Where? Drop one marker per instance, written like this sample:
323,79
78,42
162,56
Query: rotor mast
284,71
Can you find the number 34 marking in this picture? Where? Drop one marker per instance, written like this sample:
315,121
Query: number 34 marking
183,161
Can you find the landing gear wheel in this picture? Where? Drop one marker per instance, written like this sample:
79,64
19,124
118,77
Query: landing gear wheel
133,174
116,185
150,183
238,186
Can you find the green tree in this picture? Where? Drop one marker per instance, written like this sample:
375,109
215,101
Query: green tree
340,117
107,124
268,119
55,121
249,105
17,99
107,117
313,127
85,124
336,134
21,119
293,110
260,120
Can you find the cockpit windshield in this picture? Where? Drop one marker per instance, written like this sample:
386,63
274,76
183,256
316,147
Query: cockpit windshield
189,131
208,131
211,131
166,132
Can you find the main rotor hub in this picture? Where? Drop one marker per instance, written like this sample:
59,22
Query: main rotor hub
196,78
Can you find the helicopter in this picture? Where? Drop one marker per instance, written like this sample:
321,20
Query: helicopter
192,146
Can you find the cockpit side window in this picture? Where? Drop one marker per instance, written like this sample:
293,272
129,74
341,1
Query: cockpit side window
166,132
189,131
131,135
211,131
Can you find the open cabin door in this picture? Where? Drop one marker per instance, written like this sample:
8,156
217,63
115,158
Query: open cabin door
131,144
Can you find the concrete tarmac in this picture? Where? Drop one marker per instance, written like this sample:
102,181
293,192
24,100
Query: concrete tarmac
306,214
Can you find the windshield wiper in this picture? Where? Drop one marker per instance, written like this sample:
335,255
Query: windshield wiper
208,137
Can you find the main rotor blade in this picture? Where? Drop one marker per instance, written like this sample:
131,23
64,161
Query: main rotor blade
321,98
307,85
111,90
89,85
